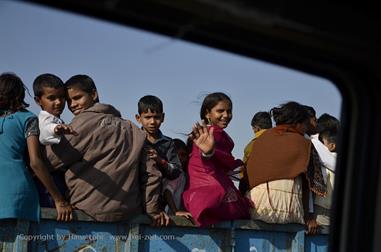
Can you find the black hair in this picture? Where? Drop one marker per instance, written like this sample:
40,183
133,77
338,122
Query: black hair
83,82
311,124
290,113
310,110
12,92
150,102
330,135
179,144
46,80
262,120
189,143
327,122
212,100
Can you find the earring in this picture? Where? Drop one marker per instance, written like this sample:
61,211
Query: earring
209,121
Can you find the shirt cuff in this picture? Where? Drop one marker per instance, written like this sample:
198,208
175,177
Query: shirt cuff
208,155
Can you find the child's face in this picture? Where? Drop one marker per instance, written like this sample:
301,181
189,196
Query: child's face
331,146
52,100
150,121
256,129
221,114
79,100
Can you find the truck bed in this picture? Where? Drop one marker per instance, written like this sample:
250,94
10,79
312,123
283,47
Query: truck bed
84,234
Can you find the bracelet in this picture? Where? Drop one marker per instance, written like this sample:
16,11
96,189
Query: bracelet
208,155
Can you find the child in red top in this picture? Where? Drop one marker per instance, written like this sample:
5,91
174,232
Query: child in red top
211,195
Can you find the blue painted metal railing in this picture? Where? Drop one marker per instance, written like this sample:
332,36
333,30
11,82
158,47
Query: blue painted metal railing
83,234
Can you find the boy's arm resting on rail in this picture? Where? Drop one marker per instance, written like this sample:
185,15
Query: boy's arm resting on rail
150,185
168,196
64,210
309,216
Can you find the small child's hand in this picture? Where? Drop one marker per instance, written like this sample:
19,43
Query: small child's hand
152,154
64,211
185,214
311,226
237,173
160,219
61,129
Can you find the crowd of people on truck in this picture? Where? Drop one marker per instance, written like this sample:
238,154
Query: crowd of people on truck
112,170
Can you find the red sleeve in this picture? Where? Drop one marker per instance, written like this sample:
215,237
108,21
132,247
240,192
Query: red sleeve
222,155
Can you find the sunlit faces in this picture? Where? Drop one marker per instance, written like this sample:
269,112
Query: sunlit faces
221,114
256,129
331,146
150,121
79,100
52,100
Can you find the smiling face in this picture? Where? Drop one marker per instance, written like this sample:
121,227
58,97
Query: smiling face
79,100
221,114
52,100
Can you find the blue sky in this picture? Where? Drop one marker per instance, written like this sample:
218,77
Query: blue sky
127,63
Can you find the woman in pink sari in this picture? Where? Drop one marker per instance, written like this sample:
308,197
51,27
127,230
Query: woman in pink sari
211,195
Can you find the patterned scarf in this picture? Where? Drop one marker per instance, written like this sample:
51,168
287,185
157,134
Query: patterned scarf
314,174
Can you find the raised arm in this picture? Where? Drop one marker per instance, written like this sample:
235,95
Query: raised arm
203,138
47,125
70,149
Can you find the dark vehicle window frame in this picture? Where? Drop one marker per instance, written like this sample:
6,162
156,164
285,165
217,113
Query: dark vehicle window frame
339,42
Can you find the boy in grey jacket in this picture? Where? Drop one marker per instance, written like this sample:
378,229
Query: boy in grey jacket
108,173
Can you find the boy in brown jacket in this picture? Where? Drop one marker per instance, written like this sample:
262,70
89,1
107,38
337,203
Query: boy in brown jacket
108,172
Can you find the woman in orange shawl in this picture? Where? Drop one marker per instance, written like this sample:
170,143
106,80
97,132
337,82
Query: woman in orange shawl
280,154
